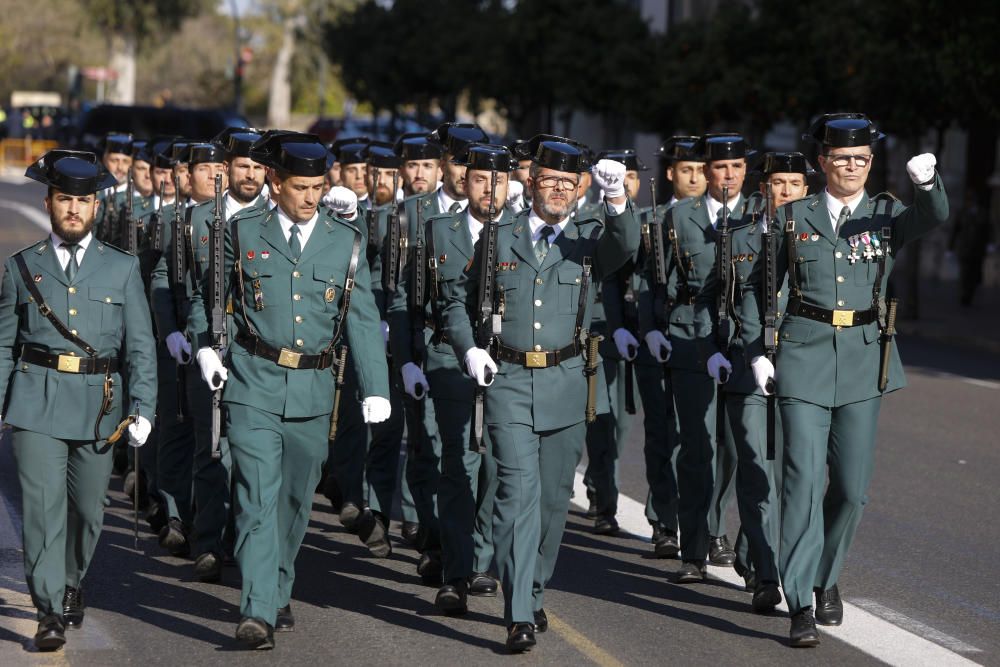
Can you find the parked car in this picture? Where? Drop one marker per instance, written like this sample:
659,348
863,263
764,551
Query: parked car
146,122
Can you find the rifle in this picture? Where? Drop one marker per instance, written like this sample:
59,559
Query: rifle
418,319
590,372
130,241
631,324
156,224
659,272
372,219
390,272
110,219
334,414
488,325
723,267
216,303
770,313
177,275
887,336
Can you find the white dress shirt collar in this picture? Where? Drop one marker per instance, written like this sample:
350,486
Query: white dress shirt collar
305,228
62,254
475,227
445,202
835,206
536,224
714,207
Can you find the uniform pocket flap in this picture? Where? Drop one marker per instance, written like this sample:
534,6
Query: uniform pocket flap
796,331
569,276
106,294
328,274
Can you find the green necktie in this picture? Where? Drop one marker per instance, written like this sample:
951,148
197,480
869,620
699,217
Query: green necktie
845,213
455,207
294,243
543,244
72,266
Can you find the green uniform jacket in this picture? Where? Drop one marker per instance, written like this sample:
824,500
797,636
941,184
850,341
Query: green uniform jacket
299,310
817,362
110,312
540,309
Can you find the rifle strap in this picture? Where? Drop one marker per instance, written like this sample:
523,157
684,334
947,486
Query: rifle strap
880,260
581,303
234,233
432,265
345,299
792,250
46,312
675,246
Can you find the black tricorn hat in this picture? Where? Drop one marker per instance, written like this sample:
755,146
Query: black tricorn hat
142,151
382,155
292,152
520,149
205,152
486,157
678,149
117,142
350,150
178,151
626,156
559,153
159,150
237,140
453,137
784,163
724,146
76,173
416,146
843,130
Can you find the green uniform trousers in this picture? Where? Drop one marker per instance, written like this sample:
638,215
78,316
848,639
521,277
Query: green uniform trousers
723,484
347,451
63,483
210,477
694,404
382,459
605,438
818,521
659,444
756,489
276,464
465,493
422,472
175,437
535,473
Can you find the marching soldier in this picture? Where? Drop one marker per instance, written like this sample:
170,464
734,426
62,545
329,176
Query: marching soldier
421,163
835,357
116,156
69,305
294,272
548,260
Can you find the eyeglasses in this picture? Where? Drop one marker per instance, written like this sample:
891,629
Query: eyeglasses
861,161
546,182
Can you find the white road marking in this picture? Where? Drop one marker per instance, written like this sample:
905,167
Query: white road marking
890,637
35,215
982,383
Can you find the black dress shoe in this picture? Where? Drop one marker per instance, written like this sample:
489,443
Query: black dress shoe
829,607
429,568
452,598
482,585
349,516
372,531
156,517
255,633
750,579
409,532
73,607
720,552
766,597
592,512
51,633
541,621
285,621
803,633
520,637
665,544
691,572
605,525
173,539
208,567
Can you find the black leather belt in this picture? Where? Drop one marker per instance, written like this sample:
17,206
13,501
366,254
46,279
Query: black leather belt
284,357
837,318
534,359
69,363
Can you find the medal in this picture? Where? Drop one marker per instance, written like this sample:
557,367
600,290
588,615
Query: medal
803,236
853,257
250,255
204,240
38,277
815,237
264,254
877,244
869,252
329,294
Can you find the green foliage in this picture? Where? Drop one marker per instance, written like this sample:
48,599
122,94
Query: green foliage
142,18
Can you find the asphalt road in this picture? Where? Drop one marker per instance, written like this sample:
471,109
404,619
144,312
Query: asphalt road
921,567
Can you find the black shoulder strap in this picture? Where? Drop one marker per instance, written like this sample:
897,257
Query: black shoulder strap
234,233
881,259
682,276
581,303
790,248
345,302
46,312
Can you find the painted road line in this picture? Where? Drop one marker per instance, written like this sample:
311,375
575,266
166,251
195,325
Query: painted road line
584,645
32,213
873,633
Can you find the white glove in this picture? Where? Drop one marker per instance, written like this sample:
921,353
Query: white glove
385,330
414,380
659,346
609,175
716,362
375,409
342,201
138,432
515,192
179,348
921,169
763,370
477,360
623,341
212,371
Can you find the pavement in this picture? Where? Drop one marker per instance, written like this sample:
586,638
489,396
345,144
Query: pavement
944,320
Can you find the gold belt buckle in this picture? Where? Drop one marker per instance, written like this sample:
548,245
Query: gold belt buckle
534,359
843,318
68,363
289,358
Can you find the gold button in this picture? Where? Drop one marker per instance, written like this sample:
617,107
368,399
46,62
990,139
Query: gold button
777,313
840,279
538,325
779,294
72,311
538,348
73,331
838,254
296,274
840,328
297,297
72,290
298,319
840,302
107,299
578,280
24,367
538,302
538,281
298,342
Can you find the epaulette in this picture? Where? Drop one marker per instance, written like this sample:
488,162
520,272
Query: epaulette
813,202
114,247
885,195
248,213
37,246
